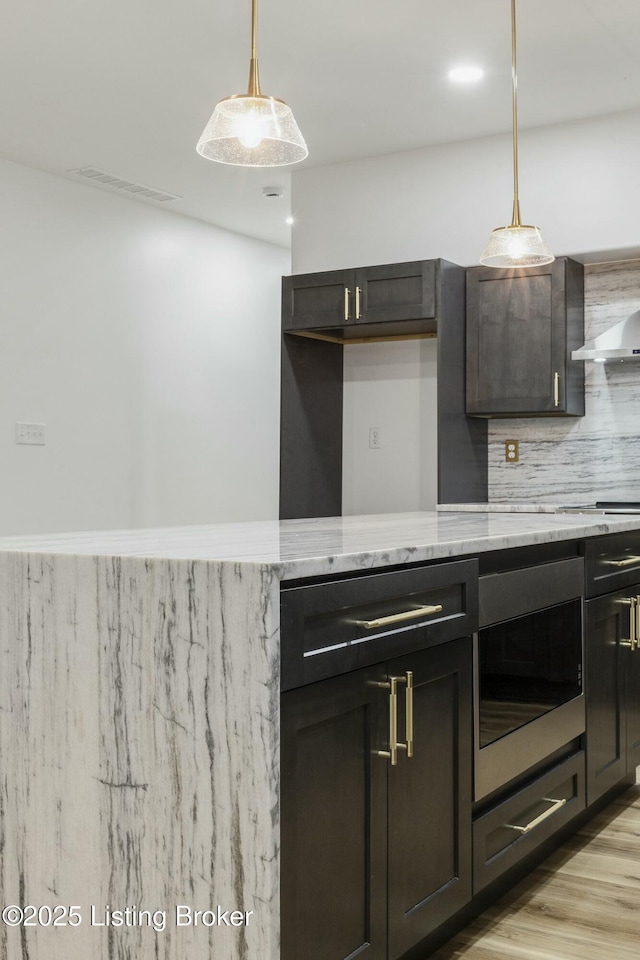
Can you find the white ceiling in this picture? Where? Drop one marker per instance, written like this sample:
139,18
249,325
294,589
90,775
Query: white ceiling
127,86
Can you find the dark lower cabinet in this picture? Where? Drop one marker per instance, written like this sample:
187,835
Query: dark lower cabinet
612,691
429,799
333,816
375,856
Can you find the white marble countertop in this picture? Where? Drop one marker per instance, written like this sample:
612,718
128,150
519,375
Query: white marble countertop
312,547
498,507
140,688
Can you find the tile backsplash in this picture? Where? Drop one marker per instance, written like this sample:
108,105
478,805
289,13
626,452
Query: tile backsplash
595,457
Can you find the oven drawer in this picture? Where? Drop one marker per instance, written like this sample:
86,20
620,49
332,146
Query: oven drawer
514,828
612,562
335,626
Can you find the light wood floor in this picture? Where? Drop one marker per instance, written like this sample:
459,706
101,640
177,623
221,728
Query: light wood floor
583,903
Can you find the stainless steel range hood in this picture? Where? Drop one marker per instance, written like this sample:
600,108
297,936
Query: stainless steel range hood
620,342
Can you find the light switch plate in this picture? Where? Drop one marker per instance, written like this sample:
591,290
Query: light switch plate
31,433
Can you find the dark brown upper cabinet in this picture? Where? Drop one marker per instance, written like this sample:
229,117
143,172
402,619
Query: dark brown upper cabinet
399,300
381,302
521,328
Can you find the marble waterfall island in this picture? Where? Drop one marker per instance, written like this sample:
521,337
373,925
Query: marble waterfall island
139,723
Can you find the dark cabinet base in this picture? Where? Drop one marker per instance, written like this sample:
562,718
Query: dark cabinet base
334,820
389,859
613,679
375,856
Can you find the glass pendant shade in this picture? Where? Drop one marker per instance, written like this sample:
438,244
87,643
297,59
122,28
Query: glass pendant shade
519,245
252,131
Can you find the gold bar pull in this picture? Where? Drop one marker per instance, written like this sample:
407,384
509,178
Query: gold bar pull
538,820
408,713
556,389
399,617
633,642
347,294
392,753
358,314
625,562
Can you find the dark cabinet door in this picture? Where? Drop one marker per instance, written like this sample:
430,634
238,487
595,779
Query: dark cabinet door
632,692
318,300
333,804
375,856
521,328
395,291
607,659
429,804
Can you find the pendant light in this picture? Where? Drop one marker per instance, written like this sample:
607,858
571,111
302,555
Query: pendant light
251,129
518,245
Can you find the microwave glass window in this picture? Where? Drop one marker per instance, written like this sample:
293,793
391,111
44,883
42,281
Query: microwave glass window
528,666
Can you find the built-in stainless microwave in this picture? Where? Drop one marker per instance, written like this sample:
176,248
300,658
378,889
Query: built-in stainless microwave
528,653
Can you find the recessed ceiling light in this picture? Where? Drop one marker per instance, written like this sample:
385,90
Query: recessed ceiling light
290,220
466,74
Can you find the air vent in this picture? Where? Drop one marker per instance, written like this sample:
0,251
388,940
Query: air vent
273,192
117,183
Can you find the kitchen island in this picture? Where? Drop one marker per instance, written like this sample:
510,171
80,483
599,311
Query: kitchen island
140,721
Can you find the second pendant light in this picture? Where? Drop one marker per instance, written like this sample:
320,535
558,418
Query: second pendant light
519,244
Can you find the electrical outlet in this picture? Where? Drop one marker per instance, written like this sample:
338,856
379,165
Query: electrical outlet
512,451
375,438
30,433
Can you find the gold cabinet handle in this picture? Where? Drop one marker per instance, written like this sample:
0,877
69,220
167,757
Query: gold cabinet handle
556,389
634,641
556,804
358,292
625,562
392,753
347,294
408,713
399,617
392,686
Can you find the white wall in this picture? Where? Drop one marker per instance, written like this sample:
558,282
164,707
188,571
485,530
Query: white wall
578,182
391,386
149,345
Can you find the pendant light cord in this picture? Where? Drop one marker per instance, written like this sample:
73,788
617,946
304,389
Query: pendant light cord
254,27
515,220
254,80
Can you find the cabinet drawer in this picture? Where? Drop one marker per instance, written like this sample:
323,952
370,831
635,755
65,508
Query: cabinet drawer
514,828
612,562
513,593
337,626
